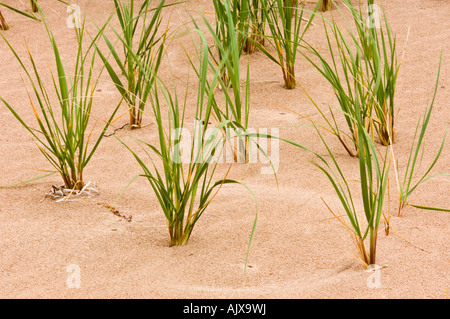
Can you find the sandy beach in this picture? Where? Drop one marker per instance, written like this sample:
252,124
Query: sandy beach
299,250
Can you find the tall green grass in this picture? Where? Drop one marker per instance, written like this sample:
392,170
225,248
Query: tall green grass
63,133
184,188
374,174
258,22
374,167
325,5
362,69
138,35
236,106
231,32
350,71
344,71
378,43
410,181
285,20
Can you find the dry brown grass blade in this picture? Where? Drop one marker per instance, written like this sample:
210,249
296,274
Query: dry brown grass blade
325,5
409,242
3,24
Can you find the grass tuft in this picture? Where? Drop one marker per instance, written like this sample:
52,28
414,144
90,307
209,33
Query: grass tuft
184,183
147,45
285,20
63,134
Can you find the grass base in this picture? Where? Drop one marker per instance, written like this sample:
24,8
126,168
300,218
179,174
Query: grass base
241,155
33,5
325,5
135,119
225,79
250,46
3,24
178,237
289,77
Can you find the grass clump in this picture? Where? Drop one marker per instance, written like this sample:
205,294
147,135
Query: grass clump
374,174
4,25
185,182
136,87
378,44
230,35
285,20
236,107
33,4
63,135
344,73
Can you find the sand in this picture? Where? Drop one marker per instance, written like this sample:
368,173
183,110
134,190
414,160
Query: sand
298,249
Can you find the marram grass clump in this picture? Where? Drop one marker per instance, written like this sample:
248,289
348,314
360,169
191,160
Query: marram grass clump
67,141
285,19
184,183
138,35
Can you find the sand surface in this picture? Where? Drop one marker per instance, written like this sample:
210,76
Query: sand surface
298,249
